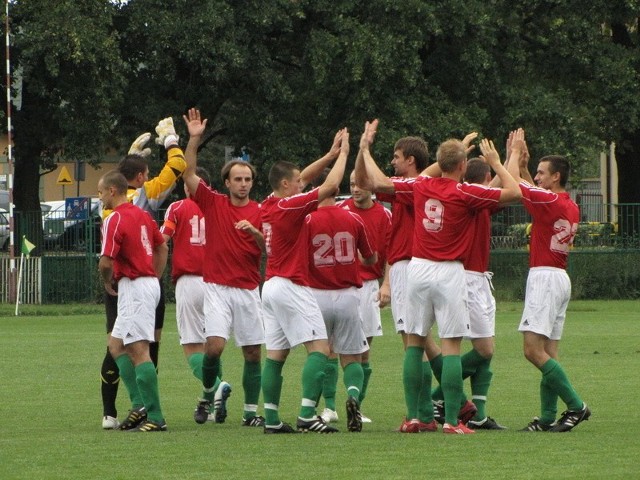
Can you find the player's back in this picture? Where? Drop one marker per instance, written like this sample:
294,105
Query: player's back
334,237
282,222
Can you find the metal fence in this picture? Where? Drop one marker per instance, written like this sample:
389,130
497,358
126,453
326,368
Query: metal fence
603,263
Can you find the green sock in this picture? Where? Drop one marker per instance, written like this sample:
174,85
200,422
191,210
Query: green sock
271,389
425,407
366,368
470,362
559,381
412,379
353,379
210,372
128,376
147,379
480,383
436,367
195,362
548,402
451,387
330,382
251,376
312,380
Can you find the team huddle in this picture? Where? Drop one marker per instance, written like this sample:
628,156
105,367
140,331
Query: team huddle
330,267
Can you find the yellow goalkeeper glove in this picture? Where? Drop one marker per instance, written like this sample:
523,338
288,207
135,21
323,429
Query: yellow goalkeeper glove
166,133
138,144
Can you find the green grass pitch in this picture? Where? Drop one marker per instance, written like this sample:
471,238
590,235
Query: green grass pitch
50,410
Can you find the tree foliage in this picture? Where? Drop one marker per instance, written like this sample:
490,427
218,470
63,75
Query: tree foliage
280,77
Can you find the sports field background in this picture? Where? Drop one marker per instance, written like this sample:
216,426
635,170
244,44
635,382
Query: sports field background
50,409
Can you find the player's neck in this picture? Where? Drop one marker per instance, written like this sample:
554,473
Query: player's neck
239,202
364,205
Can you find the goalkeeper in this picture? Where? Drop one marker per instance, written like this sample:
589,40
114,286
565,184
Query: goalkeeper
148,194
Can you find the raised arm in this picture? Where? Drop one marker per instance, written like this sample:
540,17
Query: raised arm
195,126
332,182
368,175
311,172
510,188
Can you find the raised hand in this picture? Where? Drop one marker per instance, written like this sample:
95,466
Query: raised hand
489,153
137,147
369,134
466,141
194,122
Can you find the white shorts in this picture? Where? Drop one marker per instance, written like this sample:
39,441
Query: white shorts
436,293
291,314
341,313
233,310
137,301
190,291
482,305
398,284
370,308
546,300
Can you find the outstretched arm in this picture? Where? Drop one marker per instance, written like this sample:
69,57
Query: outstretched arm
195,126
510,188
332,182
368,174
311,172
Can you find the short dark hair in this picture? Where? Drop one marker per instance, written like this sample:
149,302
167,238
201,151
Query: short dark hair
414,147
204,175
558,164
226,168
115,179
476,170
131,165
279,171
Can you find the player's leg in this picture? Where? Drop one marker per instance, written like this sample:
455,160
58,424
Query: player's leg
141,296
329,388
251,381
109,372
154,346
278,349
248,326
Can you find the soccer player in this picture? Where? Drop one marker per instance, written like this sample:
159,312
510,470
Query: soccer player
133,255
482,307
232,275
410,158
148,194
555,222
377,219
291,313
335,236
184,224
436,287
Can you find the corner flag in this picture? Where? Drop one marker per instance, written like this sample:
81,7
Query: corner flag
26,247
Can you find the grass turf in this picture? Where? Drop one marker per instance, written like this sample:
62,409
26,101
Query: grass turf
50,409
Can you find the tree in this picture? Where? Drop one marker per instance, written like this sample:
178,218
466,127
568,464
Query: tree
67,64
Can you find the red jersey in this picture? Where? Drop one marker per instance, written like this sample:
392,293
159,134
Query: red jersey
334,237
377,219
282,222
129,236
555,223
477,260
401,243
232,256
184,224
444,213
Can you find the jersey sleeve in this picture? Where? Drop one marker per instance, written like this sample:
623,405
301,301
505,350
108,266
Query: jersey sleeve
111,236
404,191
158,188
170,220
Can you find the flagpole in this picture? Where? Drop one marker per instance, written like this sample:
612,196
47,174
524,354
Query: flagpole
19,283
12,257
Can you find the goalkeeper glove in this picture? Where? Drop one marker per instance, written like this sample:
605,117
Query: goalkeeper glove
166,133
138,144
